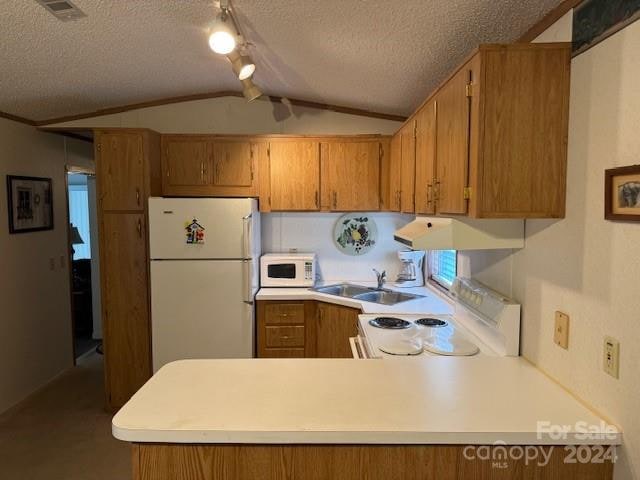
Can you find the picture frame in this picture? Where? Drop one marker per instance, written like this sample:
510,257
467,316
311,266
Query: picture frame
622,193
30,204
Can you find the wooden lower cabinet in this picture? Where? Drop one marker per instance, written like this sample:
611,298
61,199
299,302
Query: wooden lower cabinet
348,462
125,305
335,324
299,329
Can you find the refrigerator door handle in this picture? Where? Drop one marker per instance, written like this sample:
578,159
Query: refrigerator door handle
246,236
248,287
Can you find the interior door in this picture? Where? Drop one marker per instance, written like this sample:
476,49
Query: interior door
125,304
408,168
186,162
425,158
335,325
295,175
350,175
232,164
452,150
120,171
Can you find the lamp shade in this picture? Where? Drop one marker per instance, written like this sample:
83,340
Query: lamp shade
76,239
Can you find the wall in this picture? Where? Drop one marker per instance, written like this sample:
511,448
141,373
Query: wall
584,265
233,115
314,232
35,322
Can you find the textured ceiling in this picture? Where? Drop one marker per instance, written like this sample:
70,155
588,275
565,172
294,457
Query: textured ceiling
377,55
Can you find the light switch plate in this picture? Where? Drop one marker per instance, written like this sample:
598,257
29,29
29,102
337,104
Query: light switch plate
561,330
611,358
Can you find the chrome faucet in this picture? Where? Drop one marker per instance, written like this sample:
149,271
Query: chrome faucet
382,276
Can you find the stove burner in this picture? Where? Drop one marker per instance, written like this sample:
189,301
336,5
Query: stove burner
389,322
431,322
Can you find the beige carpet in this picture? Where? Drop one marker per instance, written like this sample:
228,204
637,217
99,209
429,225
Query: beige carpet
63,433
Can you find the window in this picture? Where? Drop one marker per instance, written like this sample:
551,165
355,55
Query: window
443,267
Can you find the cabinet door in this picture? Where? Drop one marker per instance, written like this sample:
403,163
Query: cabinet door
425,158
390,175
407,167
452,139
125,305
335,325
295,175
185,162
350,175
120,171
232,164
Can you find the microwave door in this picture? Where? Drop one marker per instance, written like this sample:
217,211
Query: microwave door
279,271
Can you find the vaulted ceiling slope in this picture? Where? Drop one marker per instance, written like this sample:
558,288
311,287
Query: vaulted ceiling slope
376,55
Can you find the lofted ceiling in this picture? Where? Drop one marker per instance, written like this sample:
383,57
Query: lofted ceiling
381,56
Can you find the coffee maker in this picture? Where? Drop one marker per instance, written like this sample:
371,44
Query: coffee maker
411,274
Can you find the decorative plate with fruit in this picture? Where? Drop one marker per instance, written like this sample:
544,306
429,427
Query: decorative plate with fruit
355,233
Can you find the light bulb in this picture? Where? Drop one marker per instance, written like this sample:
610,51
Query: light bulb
222,39
246,71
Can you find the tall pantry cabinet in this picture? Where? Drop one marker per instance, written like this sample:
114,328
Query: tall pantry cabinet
127,173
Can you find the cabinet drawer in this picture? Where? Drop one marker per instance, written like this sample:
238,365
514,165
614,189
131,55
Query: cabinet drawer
284,336
282,353
284,314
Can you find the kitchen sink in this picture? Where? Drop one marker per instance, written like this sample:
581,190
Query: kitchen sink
367,294
386,297
343,290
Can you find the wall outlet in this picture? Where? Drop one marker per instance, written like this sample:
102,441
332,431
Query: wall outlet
611,357
561,330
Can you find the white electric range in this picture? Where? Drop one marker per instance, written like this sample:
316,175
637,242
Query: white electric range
484,322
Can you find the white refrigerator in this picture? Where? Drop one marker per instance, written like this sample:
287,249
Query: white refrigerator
204,275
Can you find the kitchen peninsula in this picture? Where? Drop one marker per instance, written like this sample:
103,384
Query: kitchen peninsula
342,418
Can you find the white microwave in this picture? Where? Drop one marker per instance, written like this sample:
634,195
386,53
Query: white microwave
288,270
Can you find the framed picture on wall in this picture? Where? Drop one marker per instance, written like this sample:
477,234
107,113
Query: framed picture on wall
30,203
622,193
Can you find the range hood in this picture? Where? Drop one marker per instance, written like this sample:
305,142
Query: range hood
436,233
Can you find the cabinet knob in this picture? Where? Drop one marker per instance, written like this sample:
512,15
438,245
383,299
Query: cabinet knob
138,196
140,228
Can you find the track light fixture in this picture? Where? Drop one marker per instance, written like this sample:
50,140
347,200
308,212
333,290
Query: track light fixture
222,39
225,38
242,65
250,90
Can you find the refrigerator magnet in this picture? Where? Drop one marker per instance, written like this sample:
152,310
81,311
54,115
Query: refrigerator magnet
194,232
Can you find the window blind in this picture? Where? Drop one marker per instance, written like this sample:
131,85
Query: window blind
443,266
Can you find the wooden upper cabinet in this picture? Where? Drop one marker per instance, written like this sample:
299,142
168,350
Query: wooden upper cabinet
350,175
425,158
452,140
295,175
186,161
203,165
120,168
407,167
232,164
519,166
390,175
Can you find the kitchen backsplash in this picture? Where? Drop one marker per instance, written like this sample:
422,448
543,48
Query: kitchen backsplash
313,232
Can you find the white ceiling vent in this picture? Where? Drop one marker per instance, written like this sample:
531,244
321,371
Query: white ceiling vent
62,9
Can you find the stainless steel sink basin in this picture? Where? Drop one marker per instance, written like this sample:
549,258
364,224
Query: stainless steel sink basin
366,294
386,297
343,290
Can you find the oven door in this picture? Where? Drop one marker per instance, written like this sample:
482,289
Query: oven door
281,274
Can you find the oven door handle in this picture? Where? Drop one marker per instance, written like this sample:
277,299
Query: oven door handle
357,350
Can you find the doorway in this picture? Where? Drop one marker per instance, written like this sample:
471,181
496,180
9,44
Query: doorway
84,261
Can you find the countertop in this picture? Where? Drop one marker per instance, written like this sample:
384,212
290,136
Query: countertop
437,400
431,303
